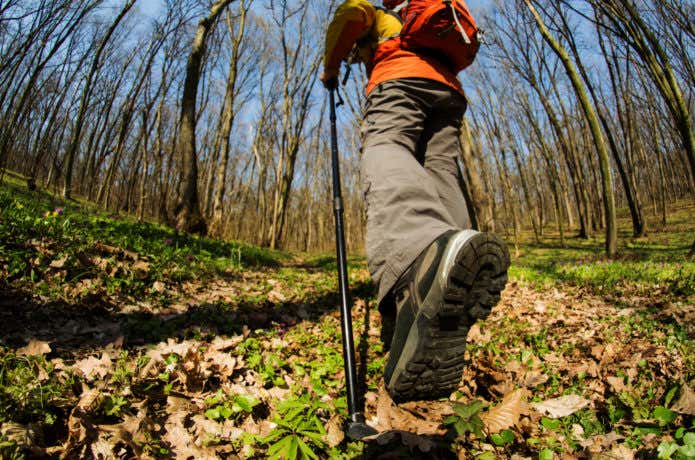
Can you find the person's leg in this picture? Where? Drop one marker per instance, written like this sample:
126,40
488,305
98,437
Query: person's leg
404,211
455,277
441,144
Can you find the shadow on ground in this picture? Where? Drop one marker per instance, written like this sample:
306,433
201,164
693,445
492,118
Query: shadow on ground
94,322
395,444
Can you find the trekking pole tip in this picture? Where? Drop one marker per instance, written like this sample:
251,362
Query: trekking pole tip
357,429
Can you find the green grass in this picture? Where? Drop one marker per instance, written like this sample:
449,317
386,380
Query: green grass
655,264
50,242
30,389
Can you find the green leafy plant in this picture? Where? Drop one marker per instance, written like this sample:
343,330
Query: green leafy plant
546,454
113,405
504,438
221,407
266,364
10,451
300,432
664,416
466,419
23,396
682,449
322,370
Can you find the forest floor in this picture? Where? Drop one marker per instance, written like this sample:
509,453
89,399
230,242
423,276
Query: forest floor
127,340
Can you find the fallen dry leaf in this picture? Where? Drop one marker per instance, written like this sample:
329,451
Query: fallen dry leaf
619,452
223,364
22,435
534,378
617,384
204,427
182,441
562,406
107,445
158,287
92,367
599,443
334,432
391,417
505,414
58,263
35,347
80,427
141,269
475,335
686,403
276,296
220,343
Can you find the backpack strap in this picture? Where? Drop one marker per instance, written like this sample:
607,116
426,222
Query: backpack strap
398,8
465,36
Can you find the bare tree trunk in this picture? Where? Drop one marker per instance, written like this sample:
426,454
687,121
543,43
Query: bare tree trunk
300,66
228,115
86,93
480,199
639,225
631,27
507,188
43,139
19,110
604,163
551,169
527,193
188,215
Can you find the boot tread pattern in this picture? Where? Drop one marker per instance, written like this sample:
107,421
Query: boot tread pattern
474,286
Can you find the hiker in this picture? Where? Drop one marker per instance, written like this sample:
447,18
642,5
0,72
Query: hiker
435,276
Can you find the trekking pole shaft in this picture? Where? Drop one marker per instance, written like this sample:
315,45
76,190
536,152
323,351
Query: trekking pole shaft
345,313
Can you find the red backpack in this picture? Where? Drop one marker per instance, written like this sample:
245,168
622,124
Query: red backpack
444,27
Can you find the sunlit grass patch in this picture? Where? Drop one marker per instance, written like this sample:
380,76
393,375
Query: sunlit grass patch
55,246
652,265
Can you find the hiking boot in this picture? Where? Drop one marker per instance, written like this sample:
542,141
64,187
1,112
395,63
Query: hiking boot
454,282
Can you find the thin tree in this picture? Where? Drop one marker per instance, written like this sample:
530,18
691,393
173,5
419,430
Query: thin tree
628,23
86,93
592,119
188,216
231,106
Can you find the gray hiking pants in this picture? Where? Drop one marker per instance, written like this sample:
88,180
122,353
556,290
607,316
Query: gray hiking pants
409,172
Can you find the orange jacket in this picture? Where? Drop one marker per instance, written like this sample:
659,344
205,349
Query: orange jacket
358,22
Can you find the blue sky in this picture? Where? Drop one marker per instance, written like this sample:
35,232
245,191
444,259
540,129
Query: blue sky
152,7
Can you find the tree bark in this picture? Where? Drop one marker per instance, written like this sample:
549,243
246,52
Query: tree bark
71,25
86,93
228,117
639,225
604,162
479,198
188,215
639,35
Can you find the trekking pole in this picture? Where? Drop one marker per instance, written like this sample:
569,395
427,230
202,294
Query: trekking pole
356,428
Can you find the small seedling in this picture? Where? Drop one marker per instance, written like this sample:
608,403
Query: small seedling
466,419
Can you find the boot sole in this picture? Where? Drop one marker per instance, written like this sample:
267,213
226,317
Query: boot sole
470,278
